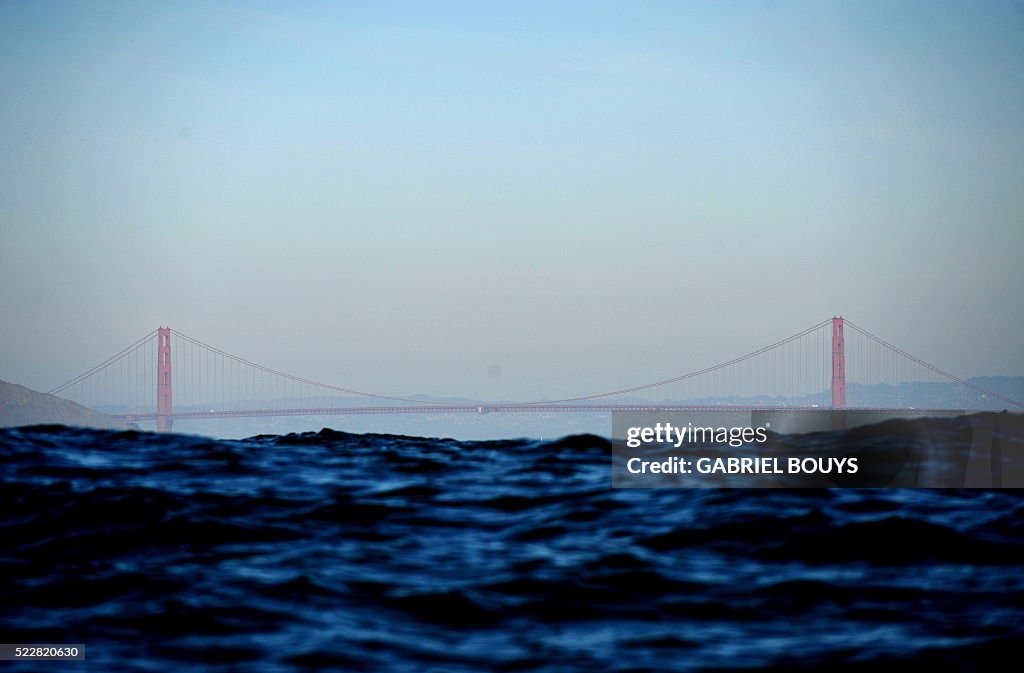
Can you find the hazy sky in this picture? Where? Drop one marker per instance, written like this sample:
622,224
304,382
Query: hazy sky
400,196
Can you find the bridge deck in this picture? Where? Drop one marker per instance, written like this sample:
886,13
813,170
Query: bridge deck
515,408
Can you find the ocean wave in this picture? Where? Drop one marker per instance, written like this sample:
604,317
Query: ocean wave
337,551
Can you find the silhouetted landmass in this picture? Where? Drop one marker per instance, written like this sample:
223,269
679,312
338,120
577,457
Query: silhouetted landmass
23,406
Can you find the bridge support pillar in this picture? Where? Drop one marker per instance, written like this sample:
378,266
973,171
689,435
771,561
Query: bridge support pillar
163,380
838,365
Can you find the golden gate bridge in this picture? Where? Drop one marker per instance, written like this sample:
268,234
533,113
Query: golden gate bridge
167,376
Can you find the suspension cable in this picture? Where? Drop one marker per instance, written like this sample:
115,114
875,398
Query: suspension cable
933,368
103,364
299,379
691,374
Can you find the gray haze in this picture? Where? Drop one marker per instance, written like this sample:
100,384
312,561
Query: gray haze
508,202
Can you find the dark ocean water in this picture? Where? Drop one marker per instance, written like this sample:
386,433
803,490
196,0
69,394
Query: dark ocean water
331,551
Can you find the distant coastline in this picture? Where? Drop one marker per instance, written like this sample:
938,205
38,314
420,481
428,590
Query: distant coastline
20,405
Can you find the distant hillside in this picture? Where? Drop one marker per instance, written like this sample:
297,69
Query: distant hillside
23,406
1010,386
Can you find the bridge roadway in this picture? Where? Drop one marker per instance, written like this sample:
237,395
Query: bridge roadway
517,408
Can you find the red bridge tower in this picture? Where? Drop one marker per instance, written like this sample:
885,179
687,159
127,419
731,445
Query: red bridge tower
163,381
838,365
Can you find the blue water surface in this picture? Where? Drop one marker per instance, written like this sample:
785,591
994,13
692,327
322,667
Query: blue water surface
333,551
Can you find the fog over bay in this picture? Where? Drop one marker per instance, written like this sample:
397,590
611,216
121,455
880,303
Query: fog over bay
508,202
